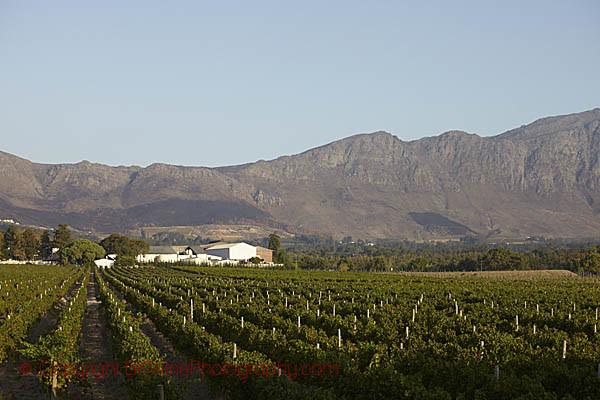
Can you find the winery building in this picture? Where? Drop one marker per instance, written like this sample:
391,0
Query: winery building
264,254
232,251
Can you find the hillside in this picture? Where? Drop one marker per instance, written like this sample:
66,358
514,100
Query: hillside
539,179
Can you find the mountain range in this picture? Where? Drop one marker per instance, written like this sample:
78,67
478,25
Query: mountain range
541,179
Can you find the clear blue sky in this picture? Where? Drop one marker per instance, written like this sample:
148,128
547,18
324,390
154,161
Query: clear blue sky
220,83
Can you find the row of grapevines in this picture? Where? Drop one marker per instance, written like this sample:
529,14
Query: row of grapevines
196,342
461,327
17,324
61,346
139,361
277,344
25,282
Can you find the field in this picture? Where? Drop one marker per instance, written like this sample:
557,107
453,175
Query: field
288,334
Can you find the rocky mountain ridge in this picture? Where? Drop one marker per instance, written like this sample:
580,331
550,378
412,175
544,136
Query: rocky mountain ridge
538,179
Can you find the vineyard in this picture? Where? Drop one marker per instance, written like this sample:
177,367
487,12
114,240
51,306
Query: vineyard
360,335
26,293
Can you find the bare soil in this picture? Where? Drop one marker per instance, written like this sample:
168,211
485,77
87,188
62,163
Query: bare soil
545,273
96,347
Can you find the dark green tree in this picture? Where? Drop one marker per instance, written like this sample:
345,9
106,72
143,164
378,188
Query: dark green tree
419,264
124,246
30,244
497,258
274,242
13,244
380,264
125,261
62,236
591,262
139,246
81,251
1,245
116,244
45,245
279,255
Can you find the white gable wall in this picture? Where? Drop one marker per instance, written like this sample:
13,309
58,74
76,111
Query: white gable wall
238,251
242,251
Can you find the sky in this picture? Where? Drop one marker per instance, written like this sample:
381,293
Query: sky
221,83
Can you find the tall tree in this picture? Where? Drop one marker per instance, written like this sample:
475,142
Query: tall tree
115,244
591,262
30,244
280,257
45,245
81,251
278,253
1,245
139,246
125,261
13,243
274,242
497,258
62,236
124,246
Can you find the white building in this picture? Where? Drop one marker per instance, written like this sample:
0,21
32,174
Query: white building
195,255
160,254
173,254
232,251
107,262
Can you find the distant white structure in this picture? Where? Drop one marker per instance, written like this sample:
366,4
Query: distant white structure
202,259
107,262
159,254
214,254
173,254
104,263
232,251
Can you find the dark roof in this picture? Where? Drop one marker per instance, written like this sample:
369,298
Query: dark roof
196,249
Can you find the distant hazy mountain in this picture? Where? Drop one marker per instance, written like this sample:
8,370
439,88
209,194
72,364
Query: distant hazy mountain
539,179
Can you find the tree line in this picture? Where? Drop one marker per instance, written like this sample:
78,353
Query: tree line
378,258
60,245
30,244
345,255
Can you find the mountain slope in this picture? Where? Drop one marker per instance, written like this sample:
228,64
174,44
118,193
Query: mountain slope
539,179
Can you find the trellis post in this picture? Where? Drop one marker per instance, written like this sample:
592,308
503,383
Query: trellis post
54,380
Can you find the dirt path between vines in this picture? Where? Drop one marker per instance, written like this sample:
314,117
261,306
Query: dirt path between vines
96,348
17,385
192,388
